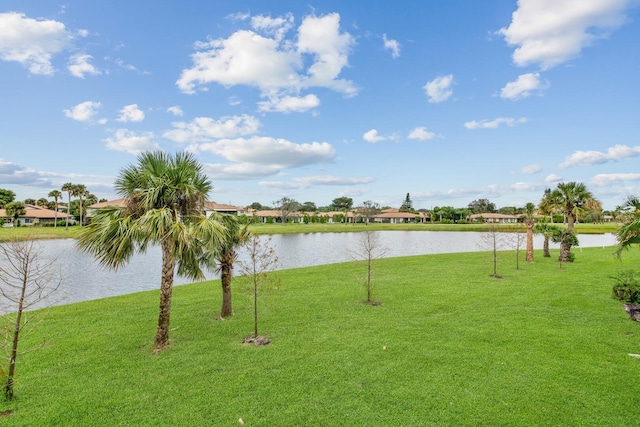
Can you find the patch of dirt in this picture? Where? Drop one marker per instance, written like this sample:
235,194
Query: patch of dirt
633,310
6,413
256,340
374,303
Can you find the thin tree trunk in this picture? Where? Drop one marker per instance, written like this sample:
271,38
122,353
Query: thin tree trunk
8,389
529,257
166,289
225,279
255,308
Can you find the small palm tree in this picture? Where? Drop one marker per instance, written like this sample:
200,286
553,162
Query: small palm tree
236,235
571,197
56,195
164,197
629,233
547,231
14,210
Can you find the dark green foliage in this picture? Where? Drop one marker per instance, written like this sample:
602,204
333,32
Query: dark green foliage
626,287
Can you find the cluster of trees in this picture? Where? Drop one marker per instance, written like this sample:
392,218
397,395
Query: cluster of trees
76,208
164,197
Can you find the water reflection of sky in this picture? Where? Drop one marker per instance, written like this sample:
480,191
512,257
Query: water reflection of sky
85,279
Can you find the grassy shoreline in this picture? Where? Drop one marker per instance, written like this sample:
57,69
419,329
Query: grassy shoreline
449,345
22,233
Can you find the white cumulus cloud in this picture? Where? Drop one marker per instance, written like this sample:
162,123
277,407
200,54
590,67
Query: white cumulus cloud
550,32
175,110
493,124
279,66
32,42
421,133
589,158
79,65
131,142
523,86
439,89
372,136
205,129
392,45
605,179
83,112
552,178
289,104
131,113
270,151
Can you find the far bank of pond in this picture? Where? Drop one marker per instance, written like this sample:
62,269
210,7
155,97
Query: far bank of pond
85,279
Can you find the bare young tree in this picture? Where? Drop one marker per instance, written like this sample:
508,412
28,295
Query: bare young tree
261,260
493,241
26,281
286,206
517,239
368,210
368,249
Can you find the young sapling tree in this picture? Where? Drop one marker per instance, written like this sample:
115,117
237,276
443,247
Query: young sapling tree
26,282
261,260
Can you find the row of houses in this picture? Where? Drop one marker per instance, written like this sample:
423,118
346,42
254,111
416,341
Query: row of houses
38,215
393,216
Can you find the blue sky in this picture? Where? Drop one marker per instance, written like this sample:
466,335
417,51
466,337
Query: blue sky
449,101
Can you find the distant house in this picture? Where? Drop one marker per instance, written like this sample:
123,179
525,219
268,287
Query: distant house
394,216
209,207
493,218
35,215
275,215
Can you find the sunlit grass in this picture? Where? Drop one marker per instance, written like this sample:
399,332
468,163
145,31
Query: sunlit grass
449,345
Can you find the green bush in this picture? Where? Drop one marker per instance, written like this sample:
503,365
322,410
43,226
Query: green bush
626,287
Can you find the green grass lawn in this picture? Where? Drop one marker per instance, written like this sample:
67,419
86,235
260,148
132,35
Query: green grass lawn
541,346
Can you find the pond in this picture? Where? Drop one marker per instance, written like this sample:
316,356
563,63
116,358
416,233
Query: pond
85,279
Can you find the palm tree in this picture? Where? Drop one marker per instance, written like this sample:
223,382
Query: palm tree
79,190
235,236
69,188
164,197
56,195
14,210
571,197
528,221
547,230
546,206
629,233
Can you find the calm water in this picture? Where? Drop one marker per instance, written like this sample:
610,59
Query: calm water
85,279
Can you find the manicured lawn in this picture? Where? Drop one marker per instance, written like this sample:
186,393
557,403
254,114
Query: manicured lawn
542,346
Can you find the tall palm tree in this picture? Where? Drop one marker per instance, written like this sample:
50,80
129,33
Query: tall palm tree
56,195
164,197
68,188
235,236
528,221
571,197
546,206
79,190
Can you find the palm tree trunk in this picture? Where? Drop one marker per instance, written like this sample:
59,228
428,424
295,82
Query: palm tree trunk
529,257
225,279
545,247
166,289
565,251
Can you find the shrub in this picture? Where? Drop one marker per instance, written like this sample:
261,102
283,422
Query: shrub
626,287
